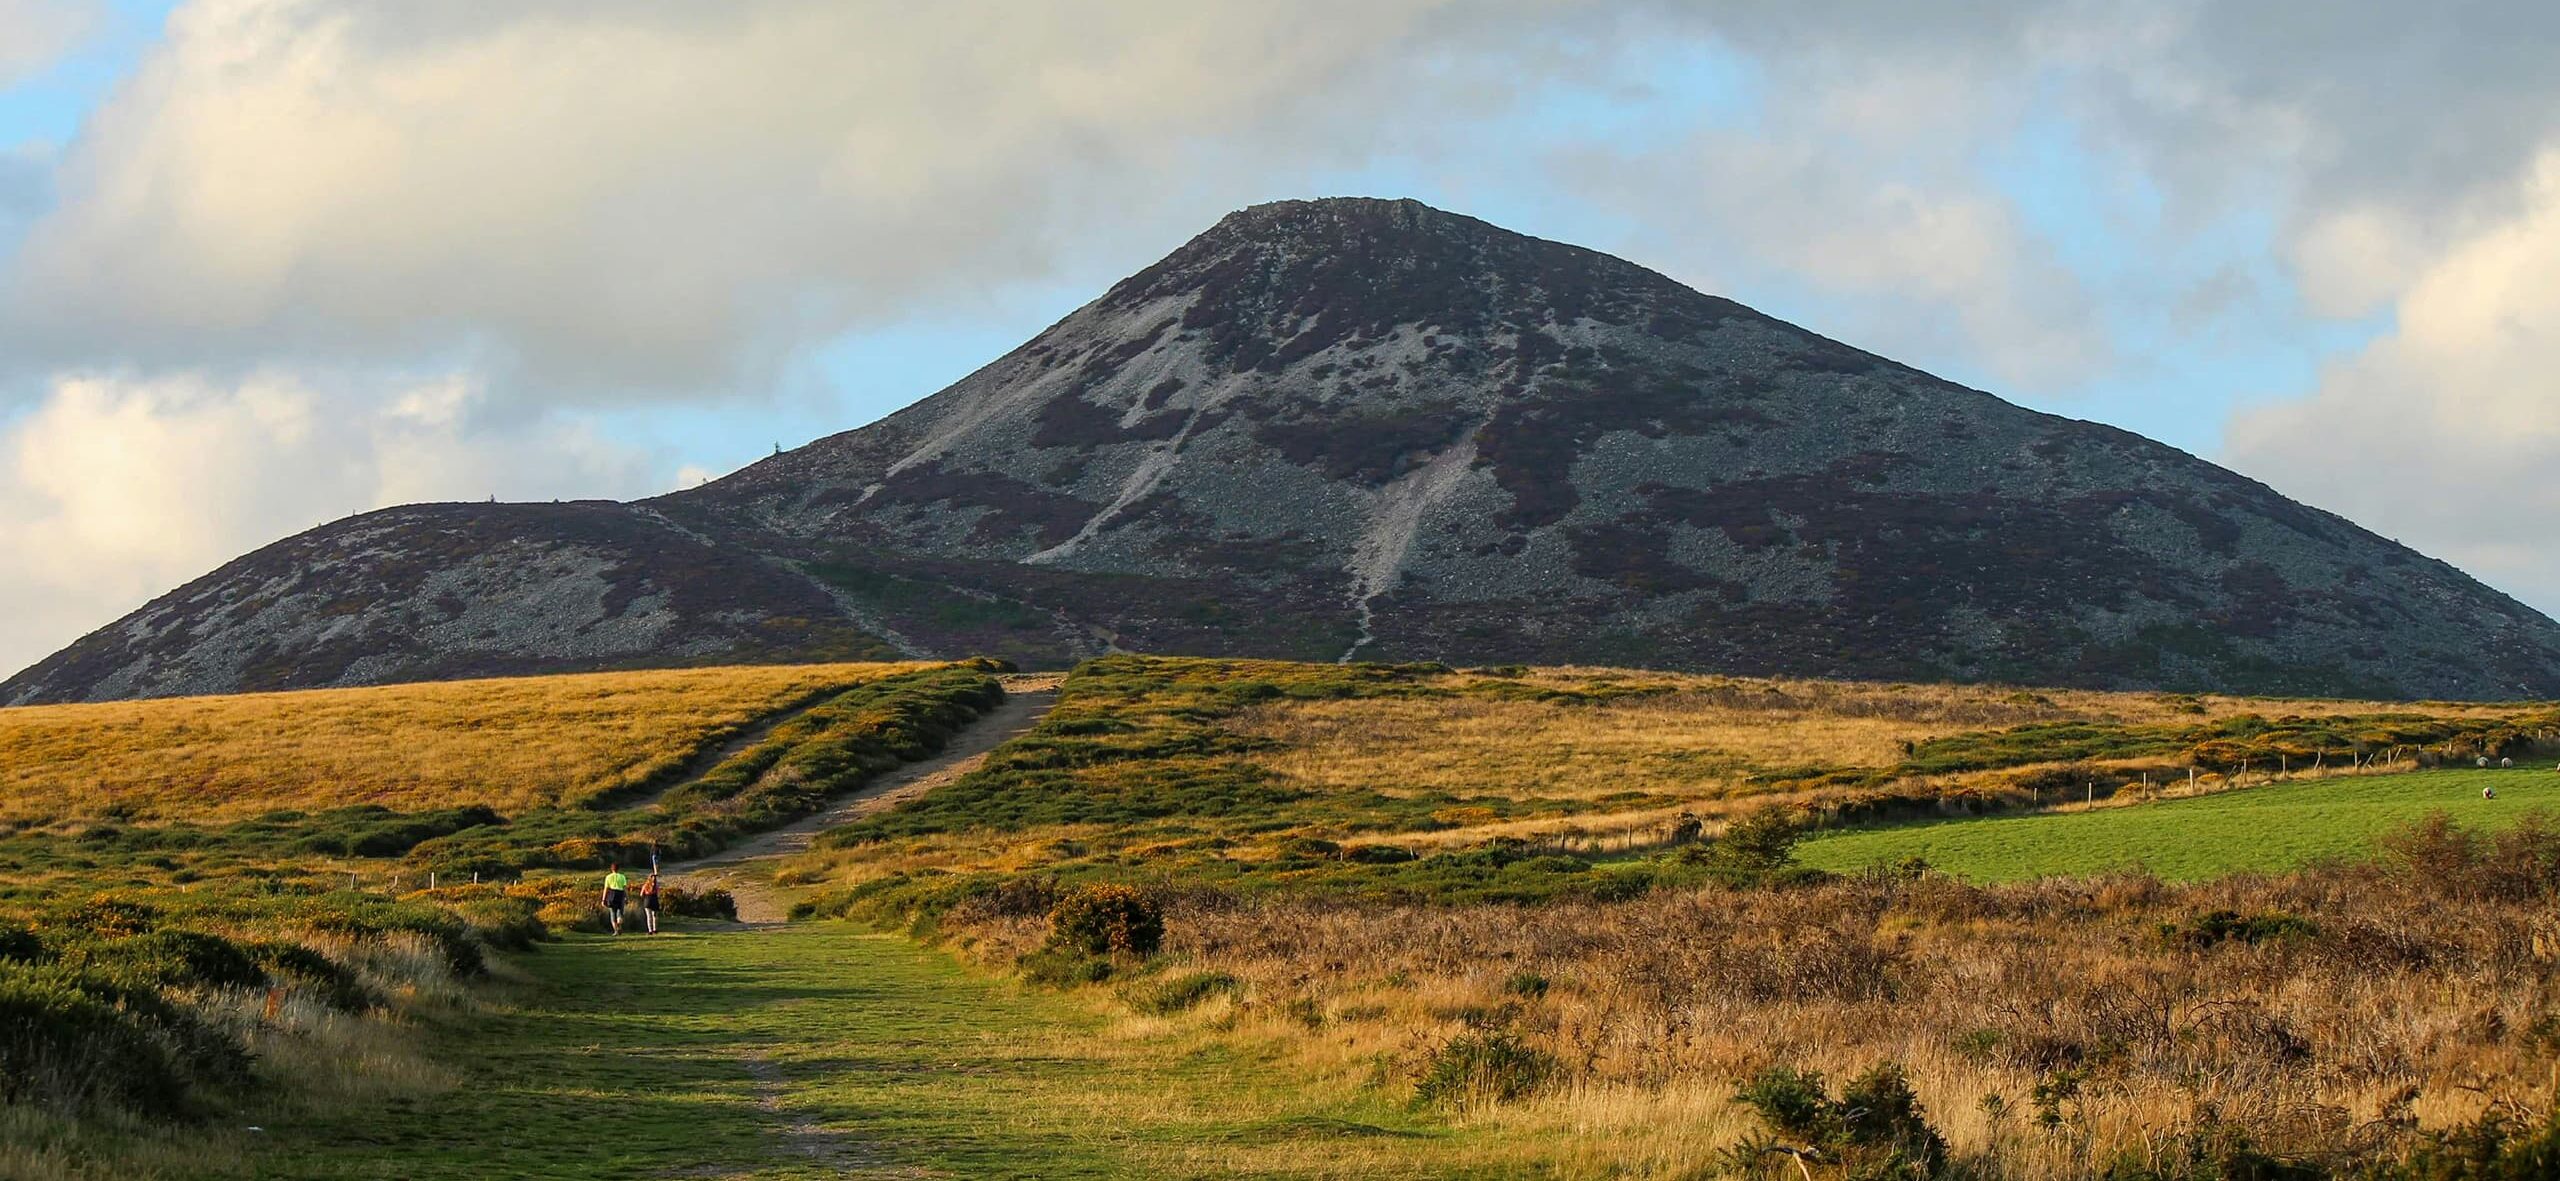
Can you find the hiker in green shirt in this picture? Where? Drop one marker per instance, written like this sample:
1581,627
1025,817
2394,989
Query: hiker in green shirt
615,883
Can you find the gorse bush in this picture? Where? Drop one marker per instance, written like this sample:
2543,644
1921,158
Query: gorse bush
1107,920
1484,1066
1184,993
65,1047
710,903
116,1003
1873,1131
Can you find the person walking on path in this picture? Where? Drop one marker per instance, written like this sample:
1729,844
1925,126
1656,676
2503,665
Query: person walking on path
616,883
649,902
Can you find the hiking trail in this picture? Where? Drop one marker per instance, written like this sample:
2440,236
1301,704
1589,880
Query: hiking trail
740,868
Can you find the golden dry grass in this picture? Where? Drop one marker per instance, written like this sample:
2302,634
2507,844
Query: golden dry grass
1707,736
1706,741
510,743
2406,1008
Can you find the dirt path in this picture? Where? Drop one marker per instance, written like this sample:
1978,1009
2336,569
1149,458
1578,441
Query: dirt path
740,869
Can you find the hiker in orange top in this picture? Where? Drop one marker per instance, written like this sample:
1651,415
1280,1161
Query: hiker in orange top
649,902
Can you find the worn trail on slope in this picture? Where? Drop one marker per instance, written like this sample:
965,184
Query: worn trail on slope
737,869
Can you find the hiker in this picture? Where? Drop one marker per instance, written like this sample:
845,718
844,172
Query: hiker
649,902
615,882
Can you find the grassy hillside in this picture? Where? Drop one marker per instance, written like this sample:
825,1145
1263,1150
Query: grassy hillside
162,962
509,744
2268,829
1422,782
1368,920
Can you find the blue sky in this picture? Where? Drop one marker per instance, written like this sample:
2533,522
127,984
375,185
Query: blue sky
328,254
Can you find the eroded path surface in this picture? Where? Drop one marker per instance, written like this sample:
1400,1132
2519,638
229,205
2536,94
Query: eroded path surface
745,869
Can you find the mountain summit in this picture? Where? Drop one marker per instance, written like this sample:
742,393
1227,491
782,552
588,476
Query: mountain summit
1372,429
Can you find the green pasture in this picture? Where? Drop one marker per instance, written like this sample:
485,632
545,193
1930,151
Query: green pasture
2273,828
821,1050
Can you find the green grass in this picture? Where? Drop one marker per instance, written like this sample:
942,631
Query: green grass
639,1057
2274,828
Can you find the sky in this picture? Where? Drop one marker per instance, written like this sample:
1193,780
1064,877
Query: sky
266,263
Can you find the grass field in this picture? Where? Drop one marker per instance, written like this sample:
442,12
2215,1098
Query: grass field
2268,829
1425,783
509,744
821,1051
1417,922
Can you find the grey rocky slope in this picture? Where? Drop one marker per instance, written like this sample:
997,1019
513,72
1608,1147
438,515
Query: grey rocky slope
1374,429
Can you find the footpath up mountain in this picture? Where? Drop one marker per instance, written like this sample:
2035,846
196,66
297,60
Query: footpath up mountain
1375,430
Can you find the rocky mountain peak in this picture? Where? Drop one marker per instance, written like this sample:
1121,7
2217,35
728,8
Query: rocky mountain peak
1373,429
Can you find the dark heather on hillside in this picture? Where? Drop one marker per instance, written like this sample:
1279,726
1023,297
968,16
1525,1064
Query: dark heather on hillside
1371,429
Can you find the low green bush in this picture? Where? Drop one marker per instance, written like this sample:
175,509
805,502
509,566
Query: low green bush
711,903
296,966
174,958
1107,920
1063,967
69,1050
1875,1129
1485,1066
1183,993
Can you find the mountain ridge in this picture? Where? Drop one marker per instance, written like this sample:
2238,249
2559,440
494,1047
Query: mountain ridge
1361,427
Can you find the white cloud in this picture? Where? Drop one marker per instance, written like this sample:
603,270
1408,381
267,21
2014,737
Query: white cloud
114,490
2447,431
1917,262
596,197
571,201
36,33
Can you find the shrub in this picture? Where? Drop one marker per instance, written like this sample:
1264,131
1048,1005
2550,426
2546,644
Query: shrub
68,1050
1184,993
2496,1147
1875,1129
1487,1066
2228,926
1378,854
1107,920
1529,984
110,917
503,922
1311,849
1060,967
2519,864
711,903
334,983
1756,849
172,958
2214,1151
21,944
1622,885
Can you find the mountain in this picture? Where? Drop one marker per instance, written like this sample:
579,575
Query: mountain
1372,429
